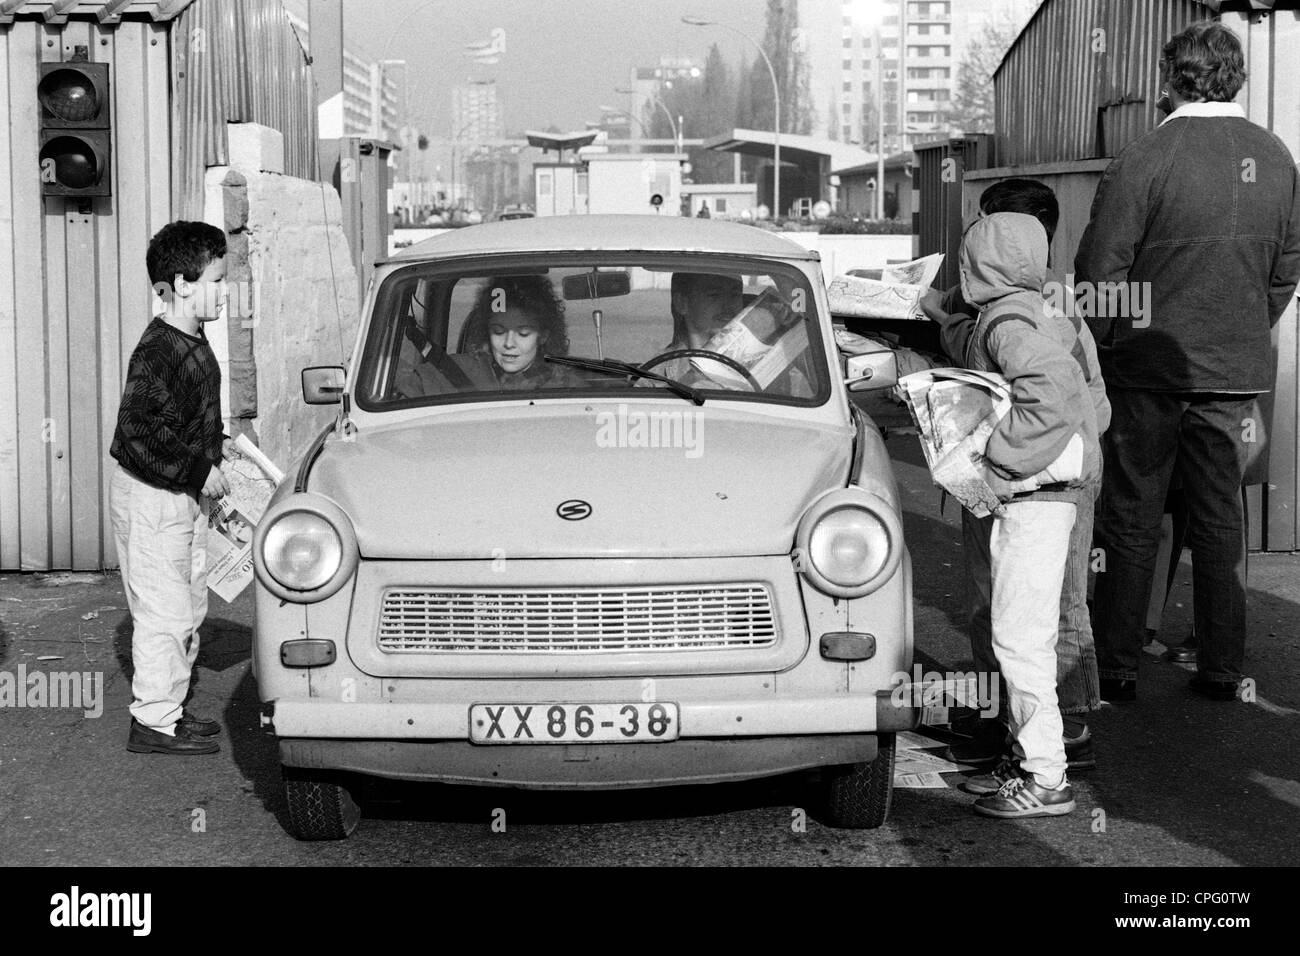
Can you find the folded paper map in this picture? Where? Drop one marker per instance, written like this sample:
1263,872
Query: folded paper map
253,478
895,295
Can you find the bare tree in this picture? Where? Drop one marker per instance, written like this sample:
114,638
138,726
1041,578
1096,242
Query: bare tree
972,104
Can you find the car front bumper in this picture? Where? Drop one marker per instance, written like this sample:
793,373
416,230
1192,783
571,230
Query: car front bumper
581,766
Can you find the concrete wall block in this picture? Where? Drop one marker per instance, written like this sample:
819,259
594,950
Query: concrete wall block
243,388
304,302
237,267
235,201
254,147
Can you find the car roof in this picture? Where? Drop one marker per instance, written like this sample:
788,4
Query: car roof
606,233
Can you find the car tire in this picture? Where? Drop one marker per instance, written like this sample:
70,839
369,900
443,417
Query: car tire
857,795
322,805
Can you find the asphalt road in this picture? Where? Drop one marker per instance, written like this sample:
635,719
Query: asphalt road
1180,780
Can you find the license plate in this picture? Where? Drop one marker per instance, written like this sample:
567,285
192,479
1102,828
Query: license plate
572,723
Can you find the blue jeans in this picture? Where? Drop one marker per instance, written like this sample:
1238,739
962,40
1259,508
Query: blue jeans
1078,690
1152,434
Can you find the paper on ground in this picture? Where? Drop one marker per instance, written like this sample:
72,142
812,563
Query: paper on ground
253,479
911,740
919,781
918,761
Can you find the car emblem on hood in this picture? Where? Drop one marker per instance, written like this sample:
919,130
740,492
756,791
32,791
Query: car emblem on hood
573,510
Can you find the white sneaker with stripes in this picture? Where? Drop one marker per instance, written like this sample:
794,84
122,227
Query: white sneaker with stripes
1021,797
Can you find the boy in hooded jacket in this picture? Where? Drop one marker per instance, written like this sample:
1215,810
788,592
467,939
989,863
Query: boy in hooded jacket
1003,266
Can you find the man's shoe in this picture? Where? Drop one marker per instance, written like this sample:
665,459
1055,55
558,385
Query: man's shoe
1119,690
197,726
1214,689
1020,797
987,745
1008,769
144,740
1182,654
1079,754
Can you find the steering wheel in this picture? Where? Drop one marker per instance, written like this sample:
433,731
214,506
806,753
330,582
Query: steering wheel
703,353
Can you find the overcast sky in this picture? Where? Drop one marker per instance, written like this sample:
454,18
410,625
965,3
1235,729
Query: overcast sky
563,58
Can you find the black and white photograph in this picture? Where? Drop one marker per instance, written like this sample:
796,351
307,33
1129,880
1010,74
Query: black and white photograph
704,434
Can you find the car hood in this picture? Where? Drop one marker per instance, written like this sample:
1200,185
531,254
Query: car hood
489,482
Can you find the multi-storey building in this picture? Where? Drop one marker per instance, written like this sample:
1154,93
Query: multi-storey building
917,47
371,92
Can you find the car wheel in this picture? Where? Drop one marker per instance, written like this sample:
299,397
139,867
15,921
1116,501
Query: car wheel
322,805
857,795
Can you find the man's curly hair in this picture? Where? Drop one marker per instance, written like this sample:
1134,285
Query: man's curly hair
1204,62
531,294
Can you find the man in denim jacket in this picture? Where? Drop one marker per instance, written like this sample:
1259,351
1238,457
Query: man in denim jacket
1201,220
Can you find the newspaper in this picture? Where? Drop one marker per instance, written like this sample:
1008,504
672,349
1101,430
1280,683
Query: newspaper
766,337
955,411
895,295
253,479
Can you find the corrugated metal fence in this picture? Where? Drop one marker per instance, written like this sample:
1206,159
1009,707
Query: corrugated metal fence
74,292
937,178
69,315
236,63
1081,80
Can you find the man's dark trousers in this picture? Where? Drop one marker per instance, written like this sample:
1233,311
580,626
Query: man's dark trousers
1206,437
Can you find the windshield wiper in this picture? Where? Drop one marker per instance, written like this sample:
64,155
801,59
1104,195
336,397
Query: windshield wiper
615,367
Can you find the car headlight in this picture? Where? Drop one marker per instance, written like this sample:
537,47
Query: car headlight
304,548
849,543
302,551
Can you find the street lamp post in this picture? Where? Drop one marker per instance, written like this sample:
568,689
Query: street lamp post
675,125
880,126
776,104
872,12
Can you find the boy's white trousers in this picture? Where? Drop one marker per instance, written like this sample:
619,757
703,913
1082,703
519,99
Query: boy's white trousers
1028,550
161,545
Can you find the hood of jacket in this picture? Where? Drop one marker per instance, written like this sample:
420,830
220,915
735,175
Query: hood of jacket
1003,253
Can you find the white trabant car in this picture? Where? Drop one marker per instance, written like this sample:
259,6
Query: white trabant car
597,512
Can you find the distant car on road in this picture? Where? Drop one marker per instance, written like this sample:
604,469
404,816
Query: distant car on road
597,512
513,212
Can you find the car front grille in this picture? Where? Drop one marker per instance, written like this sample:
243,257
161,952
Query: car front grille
577,620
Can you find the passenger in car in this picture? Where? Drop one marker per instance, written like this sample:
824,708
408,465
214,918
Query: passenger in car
702,306
516,322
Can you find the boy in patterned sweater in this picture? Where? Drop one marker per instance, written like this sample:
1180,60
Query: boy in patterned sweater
169,445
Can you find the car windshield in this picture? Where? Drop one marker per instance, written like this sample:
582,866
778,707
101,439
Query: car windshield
711,326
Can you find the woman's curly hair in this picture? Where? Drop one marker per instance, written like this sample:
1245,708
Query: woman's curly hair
529,293
1204,62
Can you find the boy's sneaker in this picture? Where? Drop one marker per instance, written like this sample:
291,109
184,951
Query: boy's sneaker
1079,754
988,744
1021,797
1008,769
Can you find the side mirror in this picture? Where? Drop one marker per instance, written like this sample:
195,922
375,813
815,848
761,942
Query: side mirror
871,371
323,384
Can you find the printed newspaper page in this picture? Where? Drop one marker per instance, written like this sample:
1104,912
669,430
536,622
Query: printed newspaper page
766,337
955,411
253,479
895,295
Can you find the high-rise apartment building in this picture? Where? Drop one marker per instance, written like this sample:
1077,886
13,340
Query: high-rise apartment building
915,46
371,93
475,112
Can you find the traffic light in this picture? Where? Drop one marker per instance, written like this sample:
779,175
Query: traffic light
76,144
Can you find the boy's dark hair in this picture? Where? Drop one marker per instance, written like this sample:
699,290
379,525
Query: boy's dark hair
1204,62
532,294
1024,195
183,248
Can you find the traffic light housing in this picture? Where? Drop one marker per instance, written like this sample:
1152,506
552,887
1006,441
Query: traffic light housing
76,134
